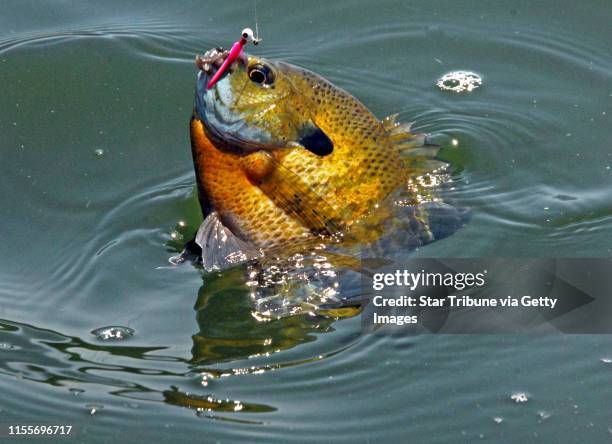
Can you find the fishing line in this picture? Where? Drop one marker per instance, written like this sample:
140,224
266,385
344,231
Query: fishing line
257,39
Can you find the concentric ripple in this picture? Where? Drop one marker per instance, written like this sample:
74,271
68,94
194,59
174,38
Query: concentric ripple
86,237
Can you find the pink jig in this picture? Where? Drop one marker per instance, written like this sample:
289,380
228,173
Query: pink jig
247,35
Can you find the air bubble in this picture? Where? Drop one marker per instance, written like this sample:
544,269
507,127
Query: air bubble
459,81
519,397
112,333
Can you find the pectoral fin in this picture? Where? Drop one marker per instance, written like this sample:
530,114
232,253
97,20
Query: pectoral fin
221,248
289,192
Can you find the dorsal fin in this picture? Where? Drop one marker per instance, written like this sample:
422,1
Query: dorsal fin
416,151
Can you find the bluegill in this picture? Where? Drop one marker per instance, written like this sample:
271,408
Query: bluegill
284,158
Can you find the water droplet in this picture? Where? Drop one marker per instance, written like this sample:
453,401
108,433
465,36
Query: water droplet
519,397
93,408
99,152
112,332
459,81
182,223
543,415
455,143
498,420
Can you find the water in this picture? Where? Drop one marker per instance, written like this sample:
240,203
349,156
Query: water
97,193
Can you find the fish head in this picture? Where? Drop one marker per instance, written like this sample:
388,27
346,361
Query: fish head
255,105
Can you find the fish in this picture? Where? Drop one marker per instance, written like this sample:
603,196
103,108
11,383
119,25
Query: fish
285,160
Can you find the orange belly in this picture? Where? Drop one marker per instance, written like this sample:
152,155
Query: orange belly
241,205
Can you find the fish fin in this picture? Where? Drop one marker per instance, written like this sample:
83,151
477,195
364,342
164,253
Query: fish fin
397,130
421,224
422,161
222,249
390,121
418,154
444,219
315,140
287,190
408,143
192,252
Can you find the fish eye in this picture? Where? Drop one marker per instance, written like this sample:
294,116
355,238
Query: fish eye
261,74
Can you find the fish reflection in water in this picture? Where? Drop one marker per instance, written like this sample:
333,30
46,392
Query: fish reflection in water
231,327
228,332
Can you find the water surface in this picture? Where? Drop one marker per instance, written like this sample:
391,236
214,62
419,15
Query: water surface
97,193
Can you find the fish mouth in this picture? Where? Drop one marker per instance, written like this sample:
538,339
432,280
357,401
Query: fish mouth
211,61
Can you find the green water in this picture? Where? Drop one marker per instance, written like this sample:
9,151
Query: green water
97,176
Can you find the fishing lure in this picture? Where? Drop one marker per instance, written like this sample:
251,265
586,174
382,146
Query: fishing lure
247,36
